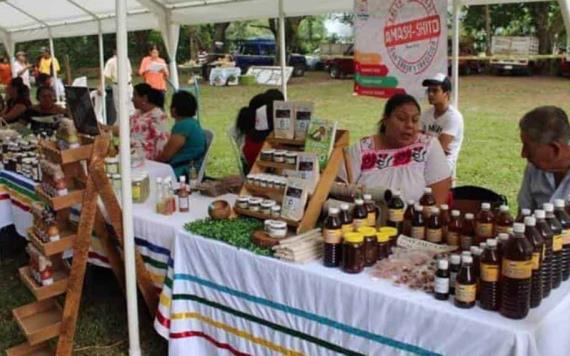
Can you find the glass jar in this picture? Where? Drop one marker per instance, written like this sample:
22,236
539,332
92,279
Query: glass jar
254,204
266,206
112,165
291,158
383,245
278,229
267,155
353,258
137,189
392,233
250,179
370,245
279,156
275,211
242,202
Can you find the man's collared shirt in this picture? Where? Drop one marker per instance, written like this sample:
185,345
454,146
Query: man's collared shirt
539,187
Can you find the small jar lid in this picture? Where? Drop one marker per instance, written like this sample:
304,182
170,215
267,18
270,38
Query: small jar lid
268,151
367,231
280,152
382,237
291,154
276,208
255,201
278,225
390,231
112,159
353,237
268,203
243,199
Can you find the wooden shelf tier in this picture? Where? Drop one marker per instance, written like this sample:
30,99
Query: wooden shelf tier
271,193
39,321
58,287
26,349
62,202
270,164
65,242
284,141
55,155
258,215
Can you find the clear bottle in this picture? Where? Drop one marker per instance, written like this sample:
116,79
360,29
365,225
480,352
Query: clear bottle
504,220
434,230
159,196
359,214
485,223
544,228
564,218
516,274
454,267
441,288
193,179
534,237
467,232
489,277
454,229
408,217
418,223
332,236
465,284
183,196
372,210
396,212
557,244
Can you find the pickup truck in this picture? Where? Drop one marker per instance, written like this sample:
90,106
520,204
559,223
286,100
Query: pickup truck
340,66
514,54
261,52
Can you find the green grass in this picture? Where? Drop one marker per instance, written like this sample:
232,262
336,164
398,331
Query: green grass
490,157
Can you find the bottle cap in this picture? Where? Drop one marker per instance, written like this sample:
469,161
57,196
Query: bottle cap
444,207
382,237
389,230
465,253
396,193
367,196
525,212
435,210
529,221
442,264
473,250
367,231
411,202
485,206
466,259
504,208
540,214
455,213
483,245
469,216
491,243
418,207
359,202
559,203
518,228
182,179
353,237
455,259
548,207
427,190
333,211
503,237
344,206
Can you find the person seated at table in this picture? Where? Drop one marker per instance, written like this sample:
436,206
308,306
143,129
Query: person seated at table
44,80
186,146
545,136
46,104
17,103
399,156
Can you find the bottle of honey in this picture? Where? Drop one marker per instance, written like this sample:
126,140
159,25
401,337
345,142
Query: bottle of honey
564,218
454,229
418,223
467,232
371,210
522,214
427,201
396,212
444,219
484,223
434,231
332,236
533,236
502,241
359,215
544,228
556,228
346,219
516,274
504,220
489,277
465,284
408,216
454,267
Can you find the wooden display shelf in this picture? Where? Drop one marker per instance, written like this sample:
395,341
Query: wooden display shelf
26,349
61,202
65,242
270,164
56,155
58,287
39,321
271,193
258,215
284,141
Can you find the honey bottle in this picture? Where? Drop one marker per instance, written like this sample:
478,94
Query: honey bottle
484,223
434,231
418,223
396,212
556,228
564,218
454,229
372,210
533,236
359,215
183,196
476,253
346,219
332,236
465,284
504,220
408,216
444,219
516,273
544,228
454,267
467,237
427,201
502,241
441,288
522,214
489,277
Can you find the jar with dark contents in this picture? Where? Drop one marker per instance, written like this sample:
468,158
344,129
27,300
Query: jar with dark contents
383,245
370,245
392,234
353,253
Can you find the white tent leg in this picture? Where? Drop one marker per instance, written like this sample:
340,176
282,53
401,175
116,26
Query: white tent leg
125,156
101,73
455,53
282,50
53,67
172,38
565,10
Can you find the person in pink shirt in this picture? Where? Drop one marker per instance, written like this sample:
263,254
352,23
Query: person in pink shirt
154,69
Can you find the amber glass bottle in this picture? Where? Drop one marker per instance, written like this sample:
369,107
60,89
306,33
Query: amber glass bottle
504,220
564,218
418,223
444,219
454,228
467,232
465,284
427,201
544,228
484,223
557,245
533,236
372,210
396,212
489,277
346,219
332,236
408,216
434,230
359,214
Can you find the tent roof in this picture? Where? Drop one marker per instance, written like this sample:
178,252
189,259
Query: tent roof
26,20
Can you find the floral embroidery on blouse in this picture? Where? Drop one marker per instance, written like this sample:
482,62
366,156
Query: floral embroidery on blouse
149,131
371,158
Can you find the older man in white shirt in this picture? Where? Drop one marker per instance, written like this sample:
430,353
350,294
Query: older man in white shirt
110,73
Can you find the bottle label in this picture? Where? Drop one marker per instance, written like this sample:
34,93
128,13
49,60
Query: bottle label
434,235
517,269
452,238
183,203
441,285
536,260
566,237
502,229
396,215
557,243
485,230
489,273
358,223
347,228
371,219
465,293
332,236
466,242
418,232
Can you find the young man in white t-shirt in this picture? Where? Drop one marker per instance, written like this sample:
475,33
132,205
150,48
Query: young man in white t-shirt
442,120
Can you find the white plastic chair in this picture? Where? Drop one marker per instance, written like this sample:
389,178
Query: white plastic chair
209,140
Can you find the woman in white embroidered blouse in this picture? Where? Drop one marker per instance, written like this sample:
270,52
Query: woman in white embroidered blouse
399,156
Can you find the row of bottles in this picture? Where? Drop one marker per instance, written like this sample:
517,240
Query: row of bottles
166,196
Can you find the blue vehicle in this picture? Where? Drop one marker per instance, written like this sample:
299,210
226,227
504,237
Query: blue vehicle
262,52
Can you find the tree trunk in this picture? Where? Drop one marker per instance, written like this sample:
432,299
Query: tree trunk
540,13
220,36
291,30
488,34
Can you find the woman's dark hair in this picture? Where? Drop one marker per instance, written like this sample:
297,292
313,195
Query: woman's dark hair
42,80
184,103
22,91
395,102
245,122
153,96
41,90
152,46
272,95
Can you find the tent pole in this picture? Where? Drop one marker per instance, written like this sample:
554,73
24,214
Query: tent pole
101,73
53,68
565,10
455,53
125,156
173,36
282,51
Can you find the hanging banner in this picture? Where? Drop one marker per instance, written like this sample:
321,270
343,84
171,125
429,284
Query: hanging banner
398,44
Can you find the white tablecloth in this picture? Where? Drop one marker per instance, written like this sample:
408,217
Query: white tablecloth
217,297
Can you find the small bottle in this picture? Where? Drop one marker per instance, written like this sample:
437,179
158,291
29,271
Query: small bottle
489,277
159,196
371,209
467,232
516,273
441,288
183,196
332,236
418,223
408,217
533,236
556,229
484,225
396,212
454,267
427,201
444,219
522,214
504,220
359,214
454,229
193,179
544,228
476,253
564,218
434,231
346,219
465,285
